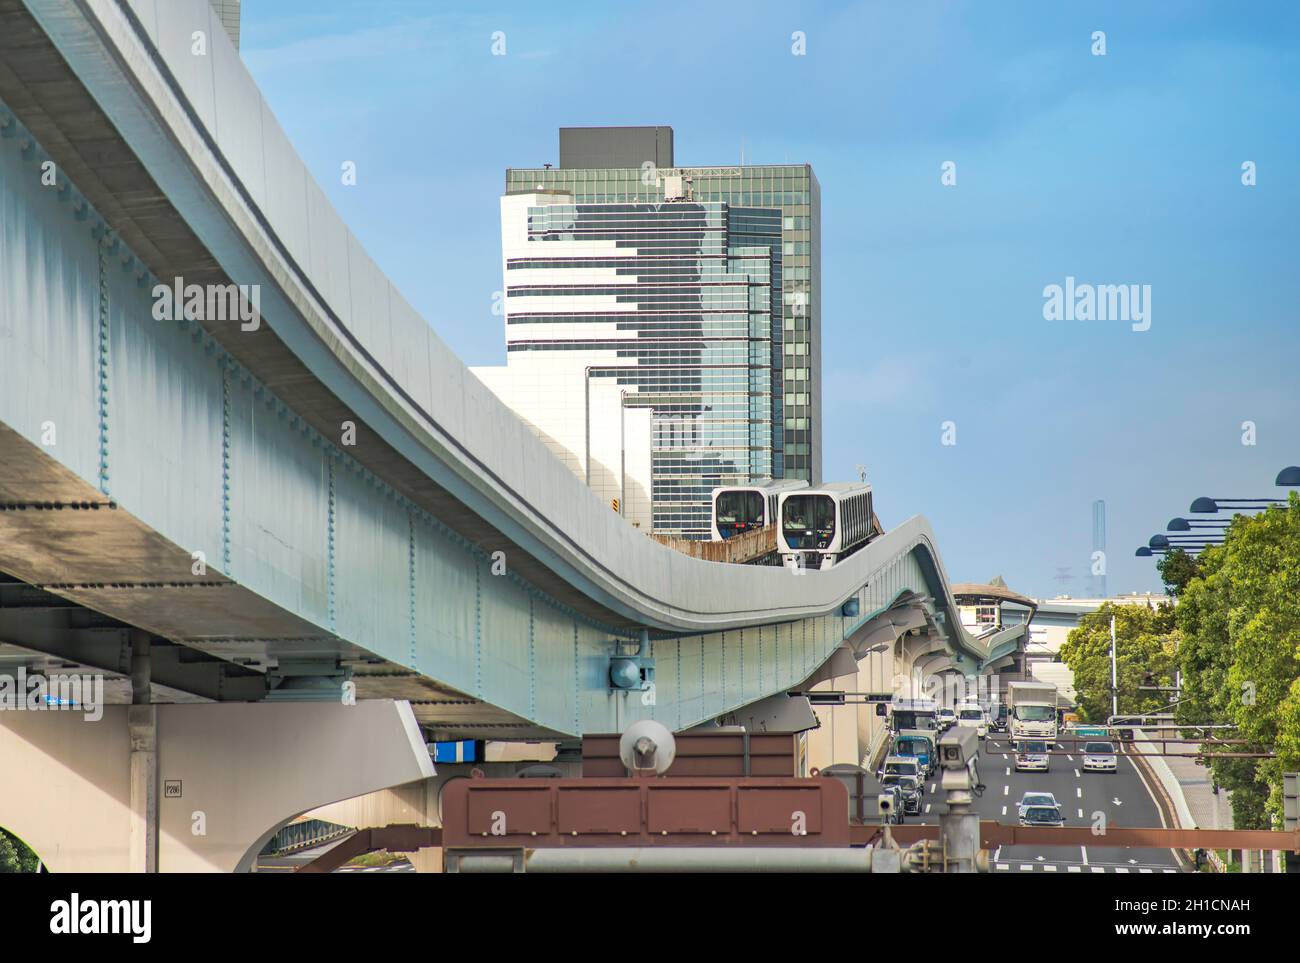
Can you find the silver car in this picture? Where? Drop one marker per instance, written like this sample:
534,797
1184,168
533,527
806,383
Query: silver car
1036,799
1099,757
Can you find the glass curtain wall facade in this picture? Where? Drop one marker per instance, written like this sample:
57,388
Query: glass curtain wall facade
792,189
687,324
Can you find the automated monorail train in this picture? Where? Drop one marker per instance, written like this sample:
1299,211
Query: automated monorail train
742,508
820,526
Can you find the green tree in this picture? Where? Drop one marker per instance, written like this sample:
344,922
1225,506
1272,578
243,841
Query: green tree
1145,646
1176,569
15,856
1239,618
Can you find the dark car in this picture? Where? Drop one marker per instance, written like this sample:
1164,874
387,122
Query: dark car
909,790
1042,816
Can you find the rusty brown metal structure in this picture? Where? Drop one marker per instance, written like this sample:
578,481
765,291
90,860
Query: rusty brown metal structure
687,811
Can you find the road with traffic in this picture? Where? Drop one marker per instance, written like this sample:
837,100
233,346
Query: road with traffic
1086,799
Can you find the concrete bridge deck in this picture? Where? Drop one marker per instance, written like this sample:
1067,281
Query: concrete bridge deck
443,556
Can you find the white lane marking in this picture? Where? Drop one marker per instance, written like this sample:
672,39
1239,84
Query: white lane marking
1160,810
1002,866
927,807
1026,867
1084,850
1008,770
1144,870
1076,774
1070,757
1078,792
1080,813
1049,869
1074,869
1171,871
1004,810
931,787
1121,869
1006,790
1116,801
1098,869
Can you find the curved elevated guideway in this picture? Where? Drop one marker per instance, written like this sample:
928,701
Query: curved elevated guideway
328,492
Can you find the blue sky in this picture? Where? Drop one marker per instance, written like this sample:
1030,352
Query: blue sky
1115,169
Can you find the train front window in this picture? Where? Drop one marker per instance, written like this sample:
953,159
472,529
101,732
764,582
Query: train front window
739,512
808,521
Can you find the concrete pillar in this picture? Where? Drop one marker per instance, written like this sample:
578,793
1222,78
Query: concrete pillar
239,772
142,732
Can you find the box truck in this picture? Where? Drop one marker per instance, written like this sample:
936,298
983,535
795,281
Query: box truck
1032,710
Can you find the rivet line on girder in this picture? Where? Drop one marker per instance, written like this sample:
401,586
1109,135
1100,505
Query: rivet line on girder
410,582
478,630
742,663
56,506
532,662
723,662
102,359
99,586
329,551
225,467
678,700
577,685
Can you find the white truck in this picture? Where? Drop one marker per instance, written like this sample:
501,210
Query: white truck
1032,710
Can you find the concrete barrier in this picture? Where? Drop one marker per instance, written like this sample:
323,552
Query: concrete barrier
1165,776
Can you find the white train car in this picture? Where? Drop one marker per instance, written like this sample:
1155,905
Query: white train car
742,508
820,526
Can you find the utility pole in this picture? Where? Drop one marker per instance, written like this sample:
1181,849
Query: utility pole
1114,672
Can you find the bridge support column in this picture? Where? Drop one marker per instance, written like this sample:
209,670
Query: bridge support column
232,775
142,732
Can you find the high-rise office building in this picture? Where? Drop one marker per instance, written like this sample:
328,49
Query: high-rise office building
641,158
639,341
662,323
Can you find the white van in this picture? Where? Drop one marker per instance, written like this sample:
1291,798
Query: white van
971,714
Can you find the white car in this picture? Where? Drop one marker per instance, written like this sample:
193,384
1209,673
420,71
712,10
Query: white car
1036,799
1099,757
973,716
1032,756
946,718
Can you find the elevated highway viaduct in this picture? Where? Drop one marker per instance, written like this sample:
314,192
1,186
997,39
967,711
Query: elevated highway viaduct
237,519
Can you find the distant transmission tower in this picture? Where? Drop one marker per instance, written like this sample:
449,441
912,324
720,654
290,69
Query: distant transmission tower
1063,575
1099,545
